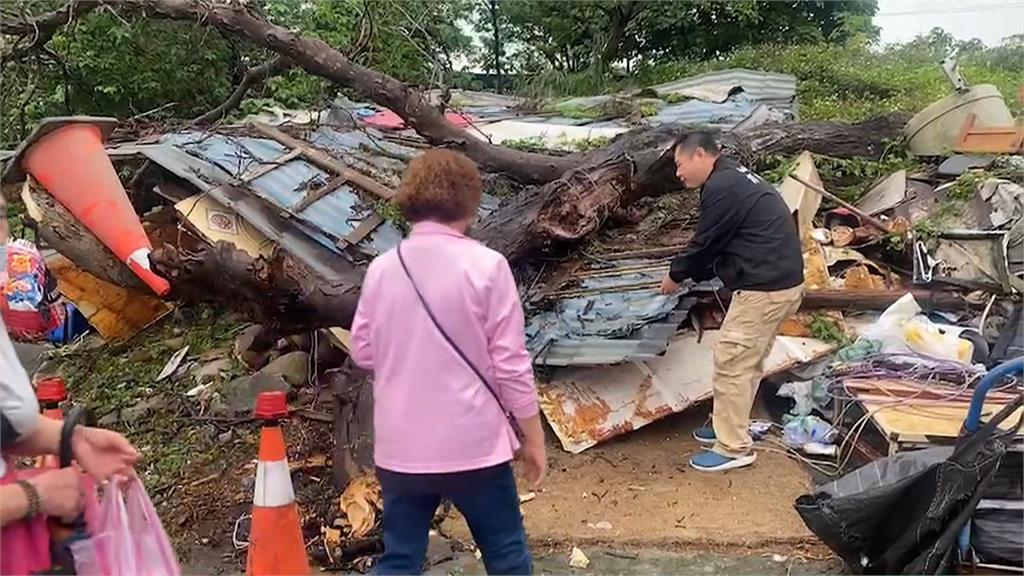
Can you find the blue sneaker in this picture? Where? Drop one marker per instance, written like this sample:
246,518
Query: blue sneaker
714,462
705,435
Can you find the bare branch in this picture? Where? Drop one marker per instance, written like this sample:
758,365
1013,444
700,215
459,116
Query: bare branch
42,28
252,77
319,58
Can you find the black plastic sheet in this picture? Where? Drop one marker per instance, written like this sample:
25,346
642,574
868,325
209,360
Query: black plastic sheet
903,514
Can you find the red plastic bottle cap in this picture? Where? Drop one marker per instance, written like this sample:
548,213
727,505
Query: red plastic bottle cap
271,405
51,390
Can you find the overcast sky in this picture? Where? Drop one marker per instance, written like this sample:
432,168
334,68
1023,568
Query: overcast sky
990,20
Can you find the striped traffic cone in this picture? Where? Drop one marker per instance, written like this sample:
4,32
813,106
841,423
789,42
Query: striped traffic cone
73,166
275,539
50,392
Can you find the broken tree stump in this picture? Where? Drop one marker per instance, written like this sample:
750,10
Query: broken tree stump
565,210
280,293
60,230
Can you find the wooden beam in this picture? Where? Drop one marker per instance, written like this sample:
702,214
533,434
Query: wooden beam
325,161
860,213
316,195
262,169
361,231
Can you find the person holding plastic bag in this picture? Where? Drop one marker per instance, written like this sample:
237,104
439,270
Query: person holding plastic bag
27,498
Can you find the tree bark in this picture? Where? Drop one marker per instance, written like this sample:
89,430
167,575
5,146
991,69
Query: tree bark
252,77
281,293
63,232
655,166
319,58
565,210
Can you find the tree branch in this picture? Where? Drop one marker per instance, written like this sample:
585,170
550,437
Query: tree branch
42,28
317,57
252,77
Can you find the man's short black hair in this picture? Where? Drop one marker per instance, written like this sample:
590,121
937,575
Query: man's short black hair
706,140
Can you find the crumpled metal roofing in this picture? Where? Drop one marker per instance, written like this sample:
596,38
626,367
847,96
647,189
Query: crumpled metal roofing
328,220
588,405
774,89
216,162
612,314
721,115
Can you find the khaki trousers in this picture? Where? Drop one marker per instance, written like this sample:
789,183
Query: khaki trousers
744,342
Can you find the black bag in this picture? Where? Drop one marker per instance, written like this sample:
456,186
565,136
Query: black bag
508,415
904,514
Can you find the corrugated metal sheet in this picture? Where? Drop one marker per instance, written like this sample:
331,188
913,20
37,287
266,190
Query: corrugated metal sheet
291,236
606,314
328,220
586,406
777,90
722,115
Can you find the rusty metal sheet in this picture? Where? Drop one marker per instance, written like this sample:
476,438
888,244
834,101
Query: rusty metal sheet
116,313
586,406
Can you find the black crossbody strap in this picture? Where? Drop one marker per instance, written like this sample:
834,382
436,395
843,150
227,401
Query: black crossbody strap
451,343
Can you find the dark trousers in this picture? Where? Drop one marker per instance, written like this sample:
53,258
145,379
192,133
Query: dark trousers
491,508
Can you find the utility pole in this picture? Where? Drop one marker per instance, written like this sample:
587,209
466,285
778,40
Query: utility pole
493,4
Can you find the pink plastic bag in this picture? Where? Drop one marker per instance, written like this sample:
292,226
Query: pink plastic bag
127,536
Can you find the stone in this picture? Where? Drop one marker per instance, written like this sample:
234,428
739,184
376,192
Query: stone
240,394
251,348
293,367
207,371
143,408
110,419
439,549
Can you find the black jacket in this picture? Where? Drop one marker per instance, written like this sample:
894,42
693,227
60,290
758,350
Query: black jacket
746,234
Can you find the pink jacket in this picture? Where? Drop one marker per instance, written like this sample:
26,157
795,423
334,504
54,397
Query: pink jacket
431,412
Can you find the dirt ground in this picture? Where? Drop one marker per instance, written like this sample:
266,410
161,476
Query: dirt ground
640,485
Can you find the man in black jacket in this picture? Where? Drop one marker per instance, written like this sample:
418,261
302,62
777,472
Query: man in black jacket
746,236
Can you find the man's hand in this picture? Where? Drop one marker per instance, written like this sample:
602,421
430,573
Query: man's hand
668,286
103,453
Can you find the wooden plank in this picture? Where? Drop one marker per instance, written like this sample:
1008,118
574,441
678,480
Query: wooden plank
860,213
919,422
361,231
265,168
325,161
316,195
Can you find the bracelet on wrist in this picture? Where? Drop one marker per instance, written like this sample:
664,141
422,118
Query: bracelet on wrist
32,495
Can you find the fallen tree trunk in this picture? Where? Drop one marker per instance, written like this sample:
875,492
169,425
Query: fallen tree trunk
655,167
640,164
565,210
63,232
861,300
282,293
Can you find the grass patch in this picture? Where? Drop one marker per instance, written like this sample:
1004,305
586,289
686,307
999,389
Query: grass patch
829,330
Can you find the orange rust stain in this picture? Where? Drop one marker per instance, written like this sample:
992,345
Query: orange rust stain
586,419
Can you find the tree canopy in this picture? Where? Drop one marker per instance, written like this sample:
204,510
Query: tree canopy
60,57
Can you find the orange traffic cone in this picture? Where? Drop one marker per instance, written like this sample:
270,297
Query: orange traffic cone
74,167
275,539
50,392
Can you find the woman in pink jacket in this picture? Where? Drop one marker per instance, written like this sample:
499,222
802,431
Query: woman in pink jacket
440,325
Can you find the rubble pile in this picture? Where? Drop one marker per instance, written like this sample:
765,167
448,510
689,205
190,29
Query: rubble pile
913,289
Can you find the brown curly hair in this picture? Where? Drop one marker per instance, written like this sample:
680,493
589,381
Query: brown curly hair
440,185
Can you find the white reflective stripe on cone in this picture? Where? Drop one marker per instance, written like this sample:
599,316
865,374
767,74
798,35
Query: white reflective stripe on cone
273,485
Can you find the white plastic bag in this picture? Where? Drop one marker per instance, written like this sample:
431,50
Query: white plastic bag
902,328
